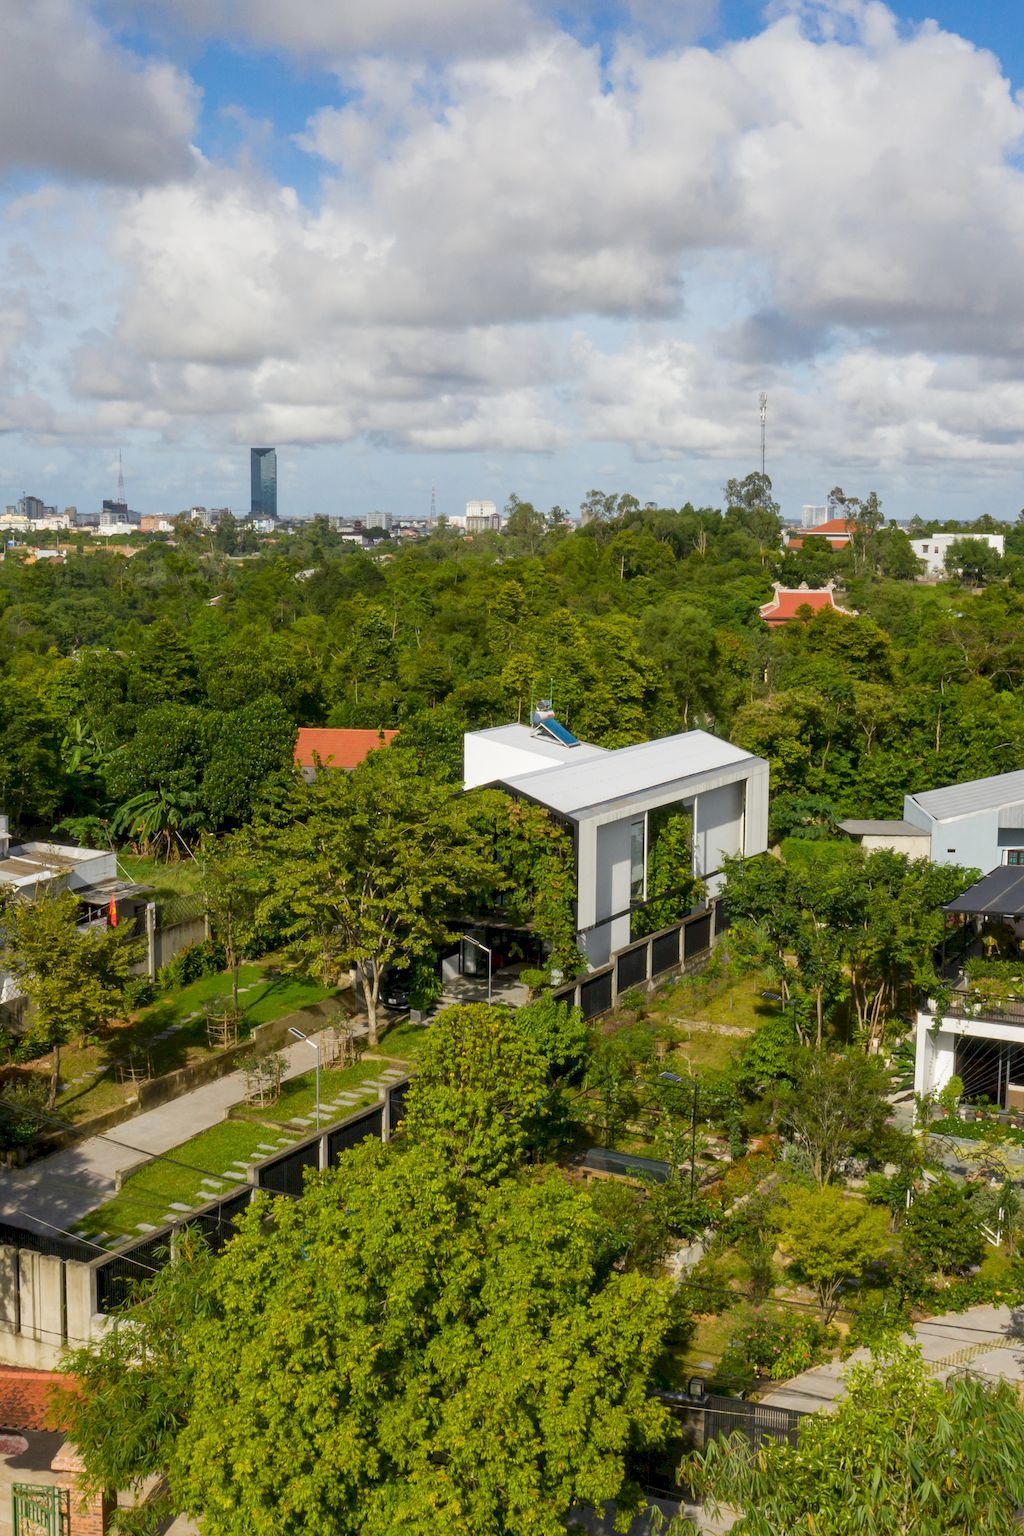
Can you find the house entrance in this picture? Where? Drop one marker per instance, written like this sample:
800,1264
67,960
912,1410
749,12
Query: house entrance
38,1510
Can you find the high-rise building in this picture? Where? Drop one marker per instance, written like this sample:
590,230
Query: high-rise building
263,475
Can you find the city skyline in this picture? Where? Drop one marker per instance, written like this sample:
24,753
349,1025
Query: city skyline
513,248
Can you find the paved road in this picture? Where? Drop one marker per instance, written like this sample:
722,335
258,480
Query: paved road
987,1339
59,1190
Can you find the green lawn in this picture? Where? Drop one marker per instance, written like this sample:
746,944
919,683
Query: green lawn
738,1004
298,1095
403,1041
266,997
147,1195
183,878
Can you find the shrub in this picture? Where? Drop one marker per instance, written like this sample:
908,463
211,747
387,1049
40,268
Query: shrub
943,1229
775,1344
206,958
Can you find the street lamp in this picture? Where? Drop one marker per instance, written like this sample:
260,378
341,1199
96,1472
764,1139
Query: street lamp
316,1046
476,942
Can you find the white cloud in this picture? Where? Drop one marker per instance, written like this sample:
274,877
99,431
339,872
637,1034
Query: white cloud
77,106
539,247
338,27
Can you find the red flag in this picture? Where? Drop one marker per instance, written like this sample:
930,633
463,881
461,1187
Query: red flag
112,913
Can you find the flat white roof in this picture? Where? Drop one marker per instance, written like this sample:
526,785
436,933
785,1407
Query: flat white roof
990,794
576,786
527,739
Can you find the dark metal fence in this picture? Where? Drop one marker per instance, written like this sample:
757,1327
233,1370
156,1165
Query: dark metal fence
119,1278
370,1123
55,1247
665,952
596,994
698,1421
697,936
631,968
286,1175
756,1422
396,1105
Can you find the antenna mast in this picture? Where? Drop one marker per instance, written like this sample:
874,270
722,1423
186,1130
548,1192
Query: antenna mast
120,478
763,404
433,507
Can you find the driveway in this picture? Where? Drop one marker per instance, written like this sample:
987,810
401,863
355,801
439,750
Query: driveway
57,1191
987,1339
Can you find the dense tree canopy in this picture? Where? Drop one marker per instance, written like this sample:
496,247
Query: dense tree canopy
179,674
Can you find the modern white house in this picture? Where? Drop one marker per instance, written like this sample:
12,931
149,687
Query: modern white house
976,1037
605,797
978,825
934,547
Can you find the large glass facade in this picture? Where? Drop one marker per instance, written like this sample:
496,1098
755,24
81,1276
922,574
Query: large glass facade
263,477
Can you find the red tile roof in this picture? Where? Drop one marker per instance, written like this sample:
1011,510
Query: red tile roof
788,601
25,1397
337,748
837,531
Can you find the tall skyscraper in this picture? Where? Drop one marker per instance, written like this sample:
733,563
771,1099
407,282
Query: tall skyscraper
263,475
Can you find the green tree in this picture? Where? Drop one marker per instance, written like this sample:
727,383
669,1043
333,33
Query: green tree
830,1238
480,1081
838,1104
972,561
365,868
398,1350
76,981
901,1454
942,1227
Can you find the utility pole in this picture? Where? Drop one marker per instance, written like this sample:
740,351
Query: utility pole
693,1140
763,403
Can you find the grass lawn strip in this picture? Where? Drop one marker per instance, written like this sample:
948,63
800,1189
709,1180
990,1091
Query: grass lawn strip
150,1194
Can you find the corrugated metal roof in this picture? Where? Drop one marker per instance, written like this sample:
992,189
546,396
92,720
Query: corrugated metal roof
525,739
576,786
883,829
999,894
977,795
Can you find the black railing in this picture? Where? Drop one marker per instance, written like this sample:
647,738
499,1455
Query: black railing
370,1123
596,994
665,952
964,1005
698,1421
631,968
54,1246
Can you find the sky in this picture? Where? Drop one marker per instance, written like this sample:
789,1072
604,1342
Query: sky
497,246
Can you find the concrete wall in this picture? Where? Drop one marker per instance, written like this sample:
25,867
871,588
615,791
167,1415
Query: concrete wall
935,1056
718,827
45,1303
971,841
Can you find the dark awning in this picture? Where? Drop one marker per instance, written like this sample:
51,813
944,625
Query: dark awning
624,1165
999,894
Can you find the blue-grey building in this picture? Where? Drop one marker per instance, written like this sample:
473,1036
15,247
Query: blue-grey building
263,477
979,825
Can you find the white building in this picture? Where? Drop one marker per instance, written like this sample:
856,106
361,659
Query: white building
935,546
380,520
978,825
482,517
605,797
813,517
979,1039
31,867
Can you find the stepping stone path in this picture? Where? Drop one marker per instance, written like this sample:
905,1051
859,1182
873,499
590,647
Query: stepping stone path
144,1226
176,1205
393,1072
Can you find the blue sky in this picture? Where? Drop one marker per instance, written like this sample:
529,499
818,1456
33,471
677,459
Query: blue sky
500,245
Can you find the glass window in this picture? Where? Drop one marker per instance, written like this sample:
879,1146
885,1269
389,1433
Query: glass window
1015,855
637,860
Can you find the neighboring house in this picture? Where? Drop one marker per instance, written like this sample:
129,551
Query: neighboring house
335,748
978,1039
838,532
933,549
789,603
979,825
29,868
604,798
898,836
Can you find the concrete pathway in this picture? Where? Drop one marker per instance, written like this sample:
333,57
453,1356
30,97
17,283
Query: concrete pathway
988,1340
59,1190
